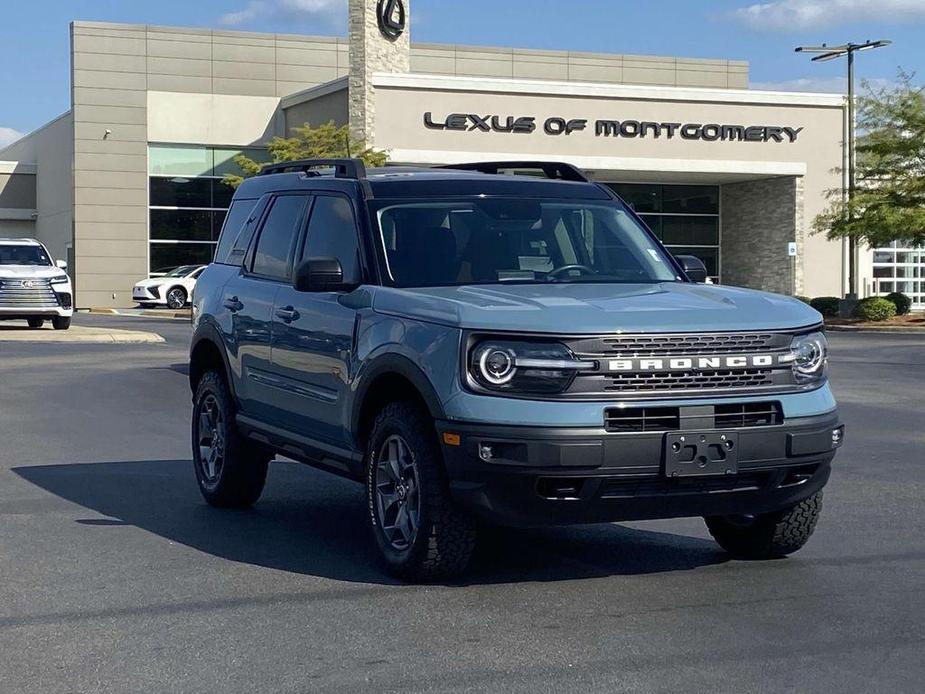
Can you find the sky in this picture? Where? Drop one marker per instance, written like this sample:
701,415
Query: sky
34,75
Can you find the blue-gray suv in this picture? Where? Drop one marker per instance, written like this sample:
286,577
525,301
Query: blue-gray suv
503,342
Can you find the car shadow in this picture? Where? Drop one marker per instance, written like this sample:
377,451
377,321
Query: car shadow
313,523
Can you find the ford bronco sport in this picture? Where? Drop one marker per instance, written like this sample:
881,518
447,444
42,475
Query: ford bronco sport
480,343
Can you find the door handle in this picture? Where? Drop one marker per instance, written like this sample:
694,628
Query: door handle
233,304
287,314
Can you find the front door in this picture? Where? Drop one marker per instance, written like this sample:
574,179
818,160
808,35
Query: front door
313,332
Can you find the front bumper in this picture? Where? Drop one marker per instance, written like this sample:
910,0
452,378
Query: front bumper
555,476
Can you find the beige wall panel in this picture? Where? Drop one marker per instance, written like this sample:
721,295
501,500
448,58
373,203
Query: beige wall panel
107,146
440,65
178,83
109,63
595,73
111,196
113,248
104,231
120,133
125,31
112,179
179,49
632,74
244,54
109,45
224,85
108,162
251,71
484,68
97,79
540,70
180,66
108,97
109,115
306,56
696,78
314,74
106,213
211,119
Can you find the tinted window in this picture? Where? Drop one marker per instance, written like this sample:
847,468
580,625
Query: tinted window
332,233
276,237
23,255
173,254
232,230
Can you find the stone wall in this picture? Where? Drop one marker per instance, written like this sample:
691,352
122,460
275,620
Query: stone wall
371,52
759,218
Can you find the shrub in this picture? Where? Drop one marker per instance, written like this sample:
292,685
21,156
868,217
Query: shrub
804,299
826,305
902,302
875,308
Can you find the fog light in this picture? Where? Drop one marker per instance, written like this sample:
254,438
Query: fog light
838,435
485,452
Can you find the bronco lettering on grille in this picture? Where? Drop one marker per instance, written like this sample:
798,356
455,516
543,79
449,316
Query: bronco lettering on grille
733,361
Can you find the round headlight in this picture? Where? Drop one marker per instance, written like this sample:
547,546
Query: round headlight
496,365
809,353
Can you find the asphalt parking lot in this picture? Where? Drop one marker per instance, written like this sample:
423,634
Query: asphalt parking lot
116,577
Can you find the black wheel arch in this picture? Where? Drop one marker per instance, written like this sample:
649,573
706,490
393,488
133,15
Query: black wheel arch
388,378
207,352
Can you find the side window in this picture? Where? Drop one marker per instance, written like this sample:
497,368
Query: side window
271,257
233,228
332,232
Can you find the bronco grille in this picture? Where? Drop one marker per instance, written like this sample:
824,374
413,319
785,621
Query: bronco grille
680,345
27,294
688,380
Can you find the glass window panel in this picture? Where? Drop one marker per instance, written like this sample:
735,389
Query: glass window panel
654,222
176,160
221,193
178,191
181,225
690,199
883,272
176,254
690,231
272,255
332,233
224,162
709,256
236,218
886,287
905,287
642,198
882,256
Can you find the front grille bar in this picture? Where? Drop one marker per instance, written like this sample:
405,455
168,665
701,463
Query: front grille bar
727,416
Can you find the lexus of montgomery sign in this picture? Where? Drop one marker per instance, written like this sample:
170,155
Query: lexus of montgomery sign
710,132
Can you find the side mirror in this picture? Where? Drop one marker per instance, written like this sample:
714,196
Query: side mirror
320,275
693,267
61,264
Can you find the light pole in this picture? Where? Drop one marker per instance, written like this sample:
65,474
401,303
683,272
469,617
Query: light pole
831,53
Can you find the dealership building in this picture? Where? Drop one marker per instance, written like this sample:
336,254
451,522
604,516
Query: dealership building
129,180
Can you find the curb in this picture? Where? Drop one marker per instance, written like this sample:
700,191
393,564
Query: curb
142,313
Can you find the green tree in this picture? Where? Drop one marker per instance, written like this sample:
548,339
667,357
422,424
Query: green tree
889,197
326,141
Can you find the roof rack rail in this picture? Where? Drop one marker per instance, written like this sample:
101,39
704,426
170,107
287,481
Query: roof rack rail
343,168
552,169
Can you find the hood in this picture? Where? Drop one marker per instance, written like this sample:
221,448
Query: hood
29,271
154,281
598,308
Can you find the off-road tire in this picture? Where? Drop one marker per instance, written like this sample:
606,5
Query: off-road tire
244,468
61,322
36,322
446,535
768,535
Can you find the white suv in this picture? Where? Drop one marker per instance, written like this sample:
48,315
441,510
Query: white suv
32,286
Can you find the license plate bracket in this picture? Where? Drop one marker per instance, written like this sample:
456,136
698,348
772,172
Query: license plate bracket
701,453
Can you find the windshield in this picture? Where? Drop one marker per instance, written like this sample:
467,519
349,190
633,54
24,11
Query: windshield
517,240
23,255
181,271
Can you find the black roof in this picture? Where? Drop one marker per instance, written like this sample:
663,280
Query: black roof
416,182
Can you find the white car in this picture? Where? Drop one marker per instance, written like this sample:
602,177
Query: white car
32,286
172,290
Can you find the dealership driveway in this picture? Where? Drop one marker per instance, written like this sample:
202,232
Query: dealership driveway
116,577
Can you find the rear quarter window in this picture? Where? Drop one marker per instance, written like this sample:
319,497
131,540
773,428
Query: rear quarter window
236,233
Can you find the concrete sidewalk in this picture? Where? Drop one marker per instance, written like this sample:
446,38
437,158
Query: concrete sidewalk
76,334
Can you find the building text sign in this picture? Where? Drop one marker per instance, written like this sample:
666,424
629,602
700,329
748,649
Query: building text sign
555,126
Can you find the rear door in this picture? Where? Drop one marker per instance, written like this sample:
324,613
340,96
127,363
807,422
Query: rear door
312,340
250,298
